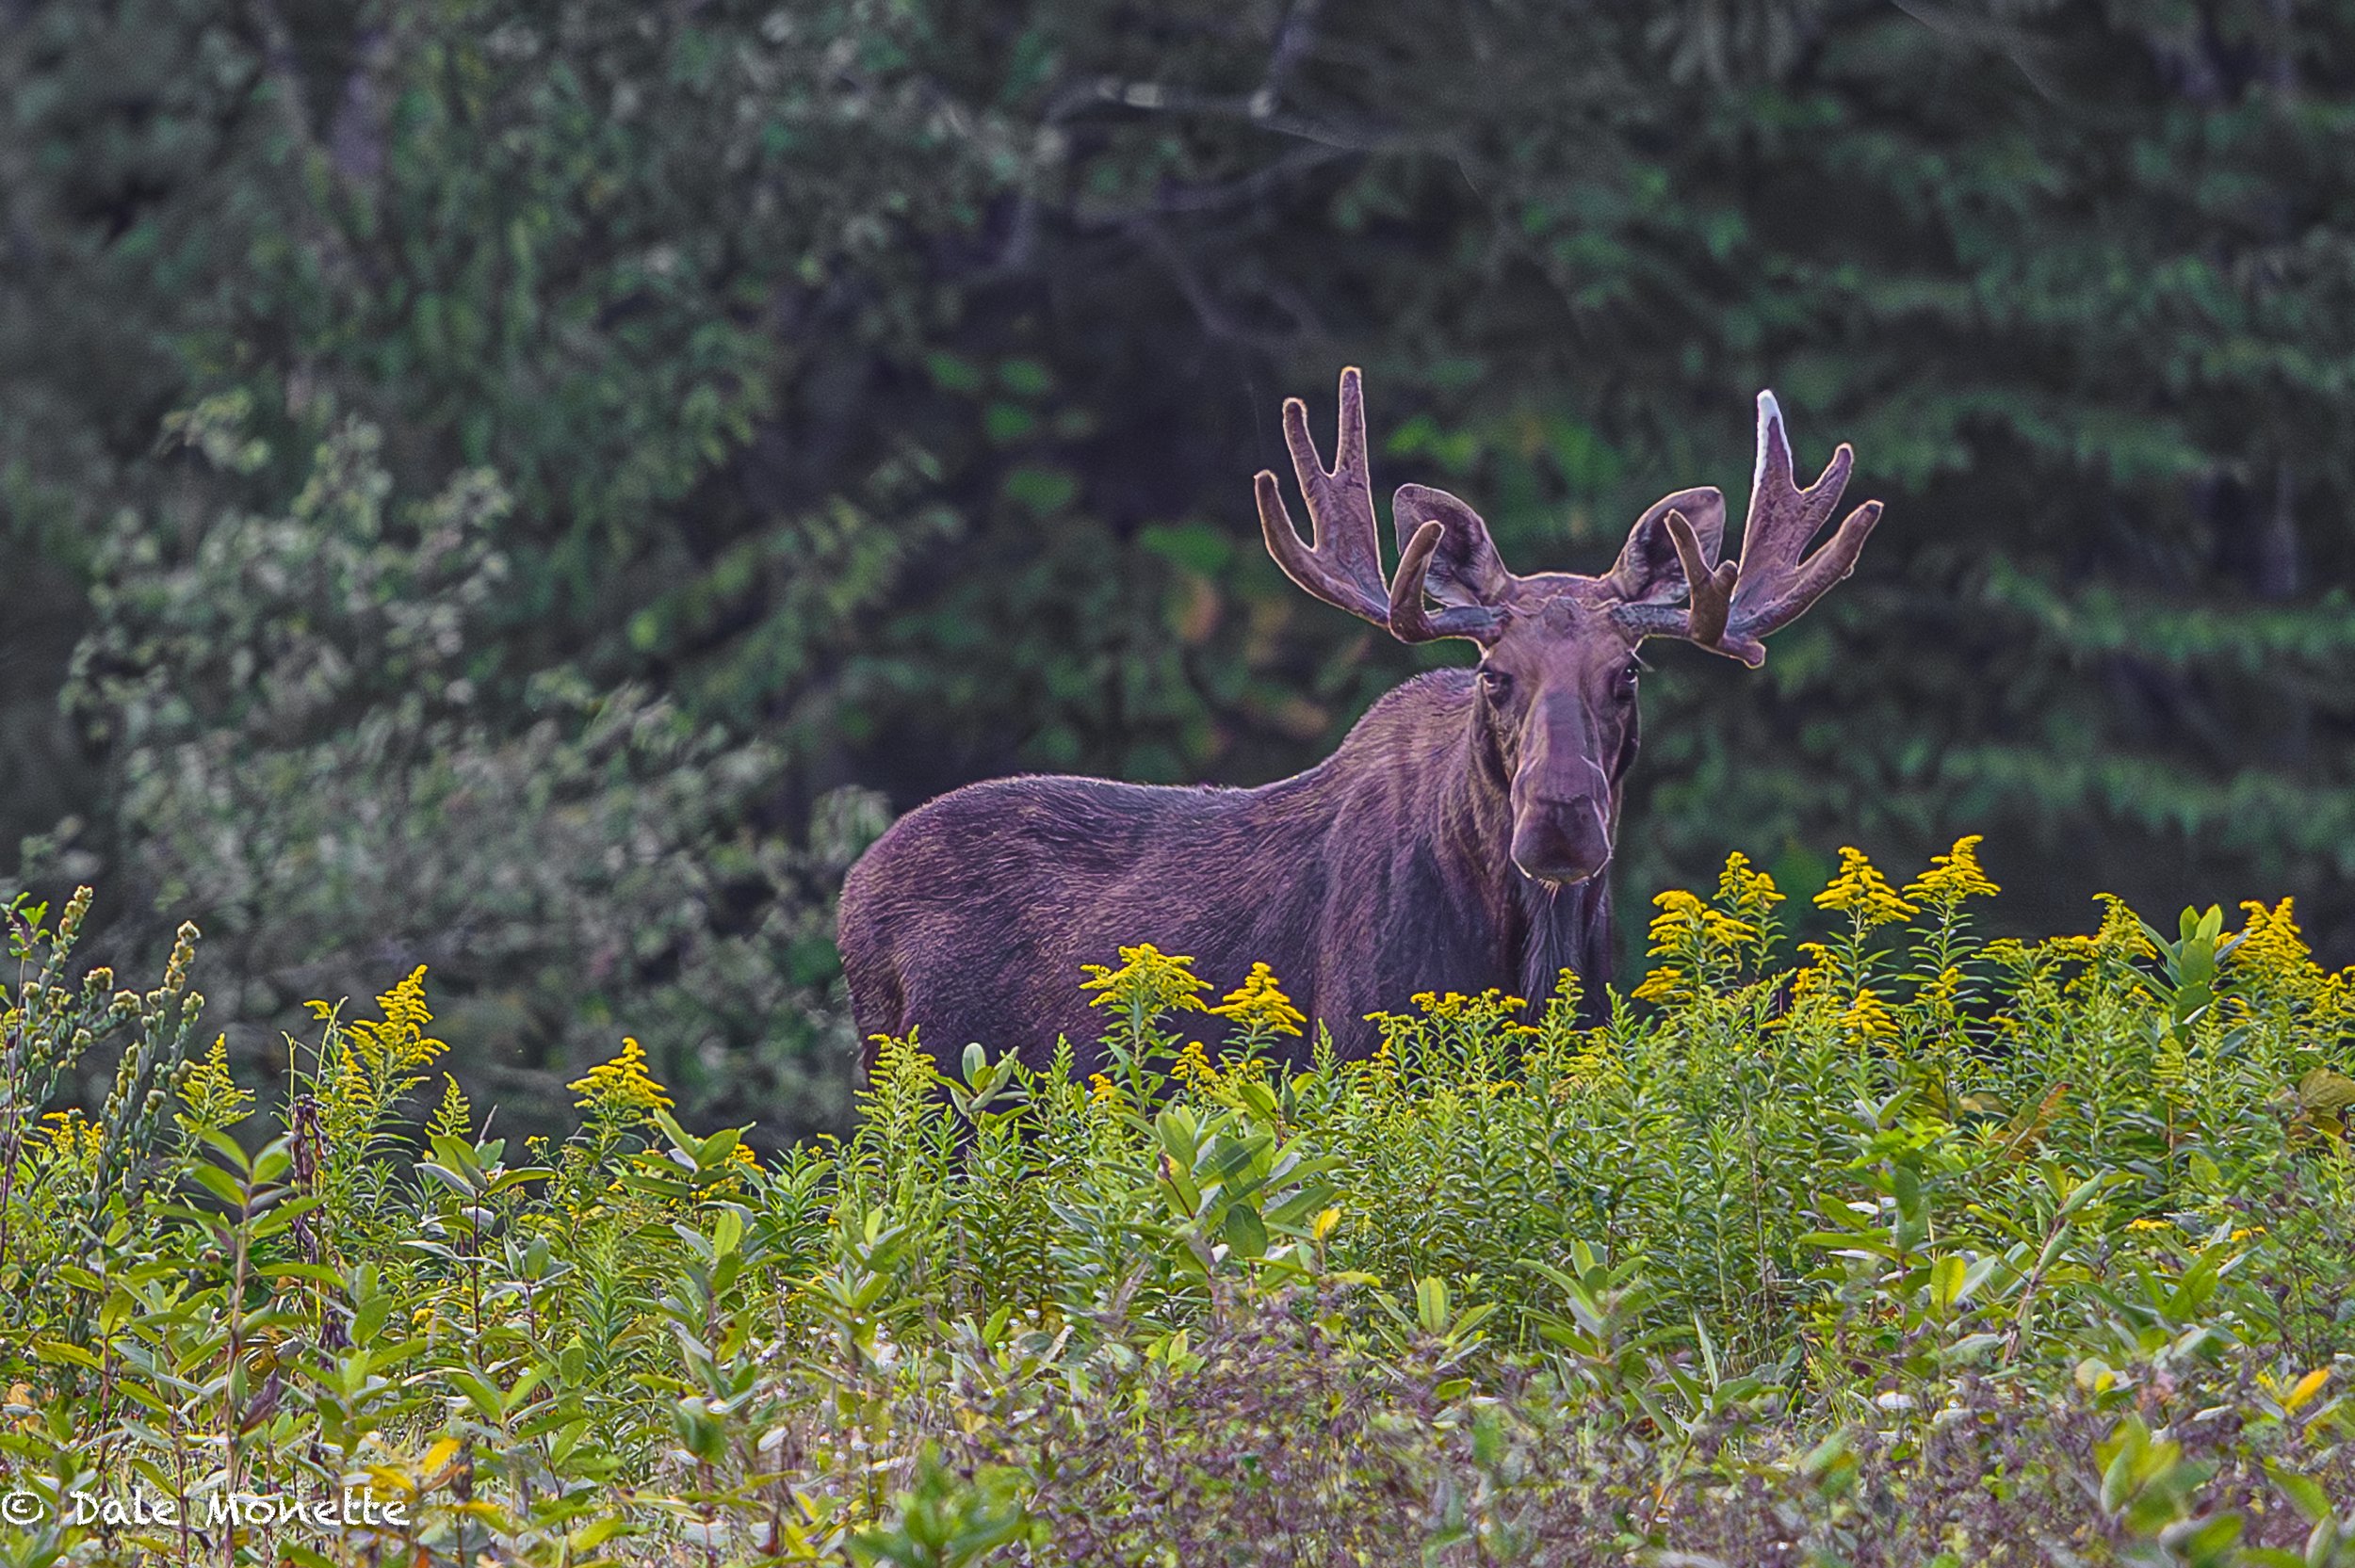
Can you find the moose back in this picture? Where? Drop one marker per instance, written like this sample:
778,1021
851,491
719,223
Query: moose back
1460,837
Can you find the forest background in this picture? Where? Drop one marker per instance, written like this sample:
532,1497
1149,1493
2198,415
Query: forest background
530,487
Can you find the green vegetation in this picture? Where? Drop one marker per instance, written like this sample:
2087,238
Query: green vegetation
1934,1249
873,389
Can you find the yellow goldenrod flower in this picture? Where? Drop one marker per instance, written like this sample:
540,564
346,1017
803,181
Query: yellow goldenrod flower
1663,985
69,1138
211,1095
455,1117
2271,946
622,1088
366,1067
1938,995
2335,999
1724,929
1750,894
1147,980
1698,944
2150,1225
1952,876
1193,1064
1870,1017
1679,935
1260,1005
1815,979
1245,1069
2122,934
1861,892
399,1044
1679,911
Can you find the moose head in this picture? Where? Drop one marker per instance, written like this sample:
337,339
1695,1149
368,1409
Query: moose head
1555,688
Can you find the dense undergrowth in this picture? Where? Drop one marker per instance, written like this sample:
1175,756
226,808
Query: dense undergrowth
1931,1250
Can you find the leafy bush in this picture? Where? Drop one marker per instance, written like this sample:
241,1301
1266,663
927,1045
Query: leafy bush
2074,280
321,747
1930,1250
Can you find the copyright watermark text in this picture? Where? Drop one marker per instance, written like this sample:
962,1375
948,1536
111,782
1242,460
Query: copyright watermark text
209,1509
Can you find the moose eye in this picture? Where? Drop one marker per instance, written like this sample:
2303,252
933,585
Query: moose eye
1627,680
1496,683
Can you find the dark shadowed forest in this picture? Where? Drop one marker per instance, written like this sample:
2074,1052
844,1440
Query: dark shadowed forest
532,489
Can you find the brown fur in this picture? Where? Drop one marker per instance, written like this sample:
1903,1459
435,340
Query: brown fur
1374,874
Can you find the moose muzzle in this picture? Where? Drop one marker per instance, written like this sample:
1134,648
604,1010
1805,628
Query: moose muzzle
1561,841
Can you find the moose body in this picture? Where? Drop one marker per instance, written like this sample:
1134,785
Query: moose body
1458,839
1359,883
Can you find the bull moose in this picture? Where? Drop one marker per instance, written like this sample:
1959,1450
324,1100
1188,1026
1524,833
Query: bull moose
1460,838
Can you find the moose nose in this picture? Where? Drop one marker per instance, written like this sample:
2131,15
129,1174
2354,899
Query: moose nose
1561,841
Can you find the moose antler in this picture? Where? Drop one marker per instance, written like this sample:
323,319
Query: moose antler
1731,605
1343,563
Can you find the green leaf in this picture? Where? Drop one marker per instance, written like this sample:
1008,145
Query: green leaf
2322,1090
1244,1231
1040,489
59,1352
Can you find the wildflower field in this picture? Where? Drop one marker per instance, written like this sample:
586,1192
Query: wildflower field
1908,1248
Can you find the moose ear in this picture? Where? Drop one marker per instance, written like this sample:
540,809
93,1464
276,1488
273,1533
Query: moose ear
1648,570
1465,569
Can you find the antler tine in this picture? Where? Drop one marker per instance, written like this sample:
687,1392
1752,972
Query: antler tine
1777,608
1731,604
1343,564
1409,620
1782,517
1710,588
1772,587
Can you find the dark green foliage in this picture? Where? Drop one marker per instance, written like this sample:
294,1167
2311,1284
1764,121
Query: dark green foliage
881,383
304,733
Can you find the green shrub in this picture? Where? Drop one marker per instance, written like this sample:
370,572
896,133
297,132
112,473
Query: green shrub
1931,1250
322,749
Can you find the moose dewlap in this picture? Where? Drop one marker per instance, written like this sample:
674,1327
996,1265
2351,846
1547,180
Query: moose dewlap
1460,838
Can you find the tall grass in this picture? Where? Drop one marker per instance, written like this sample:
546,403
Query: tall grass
1927,1249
